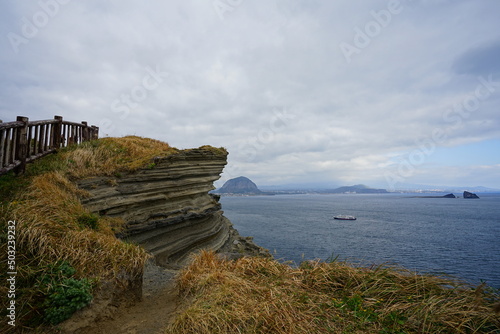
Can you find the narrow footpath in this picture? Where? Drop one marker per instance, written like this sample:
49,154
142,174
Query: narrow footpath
152,314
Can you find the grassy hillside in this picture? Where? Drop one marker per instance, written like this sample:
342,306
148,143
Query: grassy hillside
259,295
62,250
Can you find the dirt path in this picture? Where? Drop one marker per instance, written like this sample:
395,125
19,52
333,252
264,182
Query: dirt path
153,313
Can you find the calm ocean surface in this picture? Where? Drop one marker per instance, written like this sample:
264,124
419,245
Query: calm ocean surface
459,237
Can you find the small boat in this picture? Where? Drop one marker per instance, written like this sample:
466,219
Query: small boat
344,217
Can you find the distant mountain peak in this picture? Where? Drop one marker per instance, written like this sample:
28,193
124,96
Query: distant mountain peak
239,185
358,189
360,186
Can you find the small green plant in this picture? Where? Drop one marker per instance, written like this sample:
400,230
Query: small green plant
89,220
64,294
151,165
66,298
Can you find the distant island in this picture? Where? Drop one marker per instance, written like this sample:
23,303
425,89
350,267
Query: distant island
470,195
240,186
466,195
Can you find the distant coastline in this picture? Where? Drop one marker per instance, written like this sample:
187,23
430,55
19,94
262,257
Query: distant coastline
243,186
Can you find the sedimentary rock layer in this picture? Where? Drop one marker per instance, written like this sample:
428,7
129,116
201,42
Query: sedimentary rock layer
166,207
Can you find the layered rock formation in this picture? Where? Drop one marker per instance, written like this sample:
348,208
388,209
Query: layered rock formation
166,207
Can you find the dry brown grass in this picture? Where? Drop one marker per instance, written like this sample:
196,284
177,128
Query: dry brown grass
53,226
48,214
108,156
48,210
255,295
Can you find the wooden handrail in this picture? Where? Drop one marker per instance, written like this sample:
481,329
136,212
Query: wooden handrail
11,125
23,141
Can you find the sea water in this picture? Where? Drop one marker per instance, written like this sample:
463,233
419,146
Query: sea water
458,237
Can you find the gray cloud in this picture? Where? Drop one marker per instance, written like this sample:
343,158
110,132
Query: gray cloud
177,72
480,60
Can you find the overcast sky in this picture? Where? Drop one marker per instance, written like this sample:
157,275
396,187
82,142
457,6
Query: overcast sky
385,93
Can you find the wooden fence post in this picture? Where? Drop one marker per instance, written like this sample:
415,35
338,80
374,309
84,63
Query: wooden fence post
21,150
56,132
95,132
85,132
1,147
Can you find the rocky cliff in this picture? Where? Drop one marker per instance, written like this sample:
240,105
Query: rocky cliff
166,207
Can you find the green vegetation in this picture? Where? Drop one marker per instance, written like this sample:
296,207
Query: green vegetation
63,294
61,248
66,298
259,295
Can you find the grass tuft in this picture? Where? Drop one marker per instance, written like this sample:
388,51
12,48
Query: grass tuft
258,295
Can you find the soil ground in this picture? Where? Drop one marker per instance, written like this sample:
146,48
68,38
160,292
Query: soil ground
152,314
161,298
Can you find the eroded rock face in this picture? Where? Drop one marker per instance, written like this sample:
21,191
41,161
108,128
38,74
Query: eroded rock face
167,208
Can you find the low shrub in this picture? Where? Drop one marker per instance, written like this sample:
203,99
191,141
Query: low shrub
64,294
67,298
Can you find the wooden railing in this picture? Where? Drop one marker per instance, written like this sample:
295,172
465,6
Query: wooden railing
23,141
